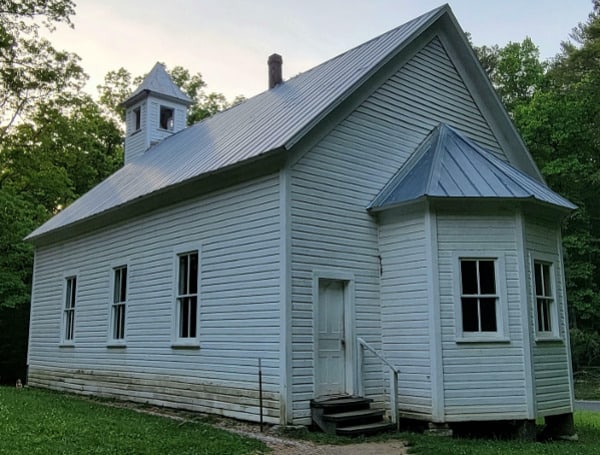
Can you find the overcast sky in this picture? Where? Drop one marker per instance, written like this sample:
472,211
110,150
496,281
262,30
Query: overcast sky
228,41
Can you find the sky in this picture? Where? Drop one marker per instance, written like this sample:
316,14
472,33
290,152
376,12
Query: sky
229,41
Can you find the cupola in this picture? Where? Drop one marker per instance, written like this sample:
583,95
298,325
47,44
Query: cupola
154,111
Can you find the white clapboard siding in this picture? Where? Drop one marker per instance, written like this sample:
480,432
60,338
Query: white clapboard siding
550,358
482,381
334,182
136,142
238,232
405,306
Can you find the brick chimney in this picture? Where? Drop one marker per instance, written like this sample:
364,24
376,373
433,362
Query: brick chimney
275,77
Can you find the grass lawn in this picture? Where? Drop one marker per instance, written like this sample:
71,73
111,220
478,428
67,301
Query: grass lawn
41,422
587,424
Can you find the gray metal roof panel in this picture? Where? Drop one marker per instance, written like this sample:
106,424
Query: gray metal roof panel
449,165
274,119
158,82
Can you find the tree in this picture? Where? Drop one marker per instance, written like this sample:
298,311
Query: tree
515,70
560,124
556,107
31,69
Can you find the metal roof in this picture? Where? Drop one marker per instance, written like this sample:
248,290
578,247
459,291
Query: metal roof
159,83
449,165
275,119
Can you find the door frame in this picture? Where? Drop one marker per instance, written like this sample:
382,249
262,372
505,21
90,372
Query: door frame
347,278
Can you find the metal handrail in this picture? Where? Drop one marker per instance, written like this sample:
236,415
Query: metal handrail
393,378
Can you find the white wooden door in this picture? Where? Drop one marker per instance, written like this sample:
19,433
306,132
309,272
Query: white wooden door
331,343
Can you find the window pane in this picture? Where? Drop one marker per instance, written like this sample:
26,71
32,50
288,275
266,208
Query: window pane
123,289
544,321
470,318
193,285
68,294
73,291
468,273
116,290
538,278
193,313
183,273
487,277
547,281
185,318
487,308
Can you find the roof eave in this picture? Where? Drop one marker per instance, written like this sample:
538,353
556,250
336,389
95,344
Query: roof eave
137,97
561,208
277,155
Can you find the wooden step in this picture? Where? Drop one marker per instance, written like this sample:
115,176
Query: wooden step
362,414
342,404
366,429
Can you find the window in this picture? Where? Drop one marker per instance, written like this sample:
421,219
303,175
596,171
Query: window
187,295
137,118
119,302
544,296
69,308
479,295
167,118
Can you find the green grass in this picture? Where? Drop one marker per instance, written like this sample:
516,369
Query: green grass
41,422
587,425
587,384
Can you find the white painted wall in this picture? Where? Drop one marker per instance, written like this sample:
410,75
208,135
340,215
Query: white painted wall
551,359
239,233
405,306
332,184
482,380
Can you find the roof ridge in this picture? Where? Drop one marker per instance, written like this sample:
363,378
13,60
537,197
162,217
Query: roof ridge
369,42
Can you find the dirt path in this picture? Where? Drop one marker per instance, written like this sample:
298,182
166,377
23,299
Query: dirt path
286,446
278,443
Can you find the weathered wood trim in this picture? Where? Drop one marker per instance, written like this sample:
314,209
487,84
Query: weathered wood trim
567,336
435,324
285,290
525,313
234,401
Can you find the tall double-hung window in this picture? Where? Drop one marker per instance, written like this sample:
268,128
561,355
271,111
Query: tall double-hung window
119,303
187,296
69,309
545,303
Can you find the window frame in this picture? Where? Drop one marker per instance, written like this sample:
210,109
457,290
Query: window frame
112,340
170,126
65,340
501,305
189,342
554,333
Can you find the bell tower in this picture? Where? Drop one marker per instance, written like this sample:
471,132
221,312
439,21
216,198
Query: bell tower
154,111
